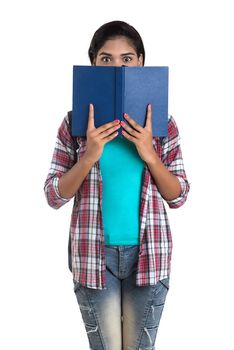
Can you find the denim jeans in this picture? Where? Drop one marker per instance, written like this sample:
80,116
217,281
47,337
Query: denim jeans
123,316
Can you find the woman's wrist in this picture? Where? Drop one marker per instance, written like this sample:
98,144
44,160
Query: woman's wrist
88,160
153,160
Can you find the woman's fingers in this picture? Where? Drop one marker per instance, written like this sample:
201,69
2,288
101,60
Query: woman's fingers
148,123
132,123
111,137
107,126
109,131
134,129
91,125
104,130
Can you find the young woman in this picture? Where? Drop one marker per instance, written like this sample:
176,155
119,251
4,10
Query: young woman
120,235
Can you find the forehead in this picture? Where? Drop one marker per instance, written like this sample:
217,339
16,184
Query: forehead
118,44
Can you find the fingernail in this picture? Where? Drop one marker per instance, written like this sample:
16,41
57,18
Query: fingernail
122,123
125,115
117,121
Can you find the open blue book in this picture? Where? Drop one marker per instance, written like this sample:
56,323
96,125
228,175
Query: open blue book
117,90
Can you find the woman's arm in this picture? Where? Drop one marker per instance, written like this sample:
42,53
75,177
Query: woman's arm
66,175
70,182
167,183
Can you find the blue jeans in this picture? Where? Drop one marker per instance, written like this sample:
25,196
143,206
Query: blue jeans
123,316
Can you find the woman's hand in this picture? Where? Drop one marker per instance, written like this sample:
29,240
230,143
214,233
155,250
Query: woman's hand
141,137
167,183
98,137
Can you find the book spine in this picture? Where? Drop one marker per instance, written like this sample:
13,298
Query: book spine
119,93
123,70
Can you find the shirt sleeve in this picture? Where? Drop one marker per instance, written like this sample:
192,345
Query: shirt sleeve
63,159
172,159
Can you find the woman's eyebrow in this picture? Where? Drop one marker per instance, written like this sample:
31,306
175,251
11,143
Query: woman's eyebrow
122,54
128,54
104,53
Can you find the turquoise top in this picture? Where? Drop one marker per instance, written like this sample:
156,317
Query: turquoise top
121,169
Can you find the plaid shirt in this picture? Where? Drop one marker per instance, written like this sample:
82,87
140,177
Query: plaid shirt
86,227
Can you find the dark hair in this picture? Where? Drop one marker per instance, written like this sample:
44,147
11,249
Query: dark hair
111,30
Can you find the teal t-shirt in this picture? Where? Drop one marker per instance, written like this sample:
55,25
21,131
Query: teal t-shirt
121,169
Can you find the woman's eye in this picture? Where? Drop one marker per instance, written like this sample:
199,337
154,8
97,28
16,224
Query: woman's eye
127,59
106,59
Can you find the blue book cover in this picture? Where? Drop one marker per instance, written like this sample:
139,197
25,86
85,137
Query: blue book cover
117,90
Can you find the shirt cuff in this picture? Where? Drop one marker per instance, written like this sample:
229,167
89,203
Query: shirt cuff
56,189
183,186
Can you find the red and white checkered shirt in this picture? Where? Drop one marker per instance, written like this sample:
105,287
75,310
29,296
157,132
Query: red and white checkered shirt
86,227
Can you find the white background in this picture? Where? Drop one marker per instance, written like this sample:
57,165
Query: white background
40,41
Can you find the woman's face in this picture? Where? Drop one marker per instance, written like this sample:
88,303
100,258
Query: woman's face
117,52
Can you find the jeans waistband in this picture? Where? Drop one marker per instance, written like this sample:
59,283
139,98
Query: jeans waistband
122,247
